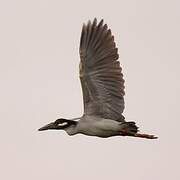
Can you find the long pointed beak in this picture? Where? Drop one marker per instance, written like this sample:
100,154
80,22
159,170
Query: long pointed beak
46,127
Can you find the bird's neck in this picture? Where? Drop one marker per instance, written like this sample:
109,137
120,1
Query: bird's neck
72,130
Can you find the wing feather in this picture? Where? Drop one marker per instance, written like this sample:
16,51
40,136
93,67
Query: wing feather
100,72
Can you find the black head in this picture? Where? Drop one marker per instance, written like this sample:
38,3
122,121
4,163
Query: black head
58,124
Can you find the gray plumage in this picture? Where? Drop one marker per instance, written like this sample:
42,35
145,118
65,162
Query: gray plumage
102,86
100,73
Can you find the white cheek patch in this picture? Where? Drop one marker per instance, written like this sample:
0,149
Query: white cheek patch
63,124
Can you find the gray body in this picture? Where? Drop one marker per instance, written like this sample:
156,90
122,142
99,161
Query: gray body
102,86
95,126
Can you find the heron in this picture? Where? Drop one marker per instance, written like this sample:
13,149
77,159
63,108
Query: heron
103,88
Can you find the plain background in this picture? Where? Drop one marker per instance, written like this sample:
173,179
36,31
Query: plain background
39,58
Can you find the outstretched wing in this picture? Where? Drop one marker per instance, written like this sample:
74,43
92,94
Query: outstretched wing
100,72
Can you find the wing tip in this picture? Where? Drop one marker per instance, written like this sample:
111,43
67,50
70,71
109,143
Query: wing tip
92,25
97,37
95,21
87,30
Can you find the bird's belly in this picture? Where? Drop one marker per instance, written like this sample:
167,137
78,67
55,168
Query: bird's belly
102,128
99,133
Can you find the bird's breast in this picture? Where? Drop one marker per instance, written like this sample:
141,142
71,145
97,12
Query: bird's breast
99,127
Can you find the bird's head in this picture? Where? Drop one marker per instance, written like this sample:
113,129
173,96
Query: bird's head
58,124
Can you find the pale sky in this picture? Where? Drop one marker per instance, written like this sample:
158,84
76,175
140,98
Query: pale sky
39,58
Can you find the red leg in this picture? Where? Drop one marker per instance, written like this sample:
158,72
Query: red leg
147,136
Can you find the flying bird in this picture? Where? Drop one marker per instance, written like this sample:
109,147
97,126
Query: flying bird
102,86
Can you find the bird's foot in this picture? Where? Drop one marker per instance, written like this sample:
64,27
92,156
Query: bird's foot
147,136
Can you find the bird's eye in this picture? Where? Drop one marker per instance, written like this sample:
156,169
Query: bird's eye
63,124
